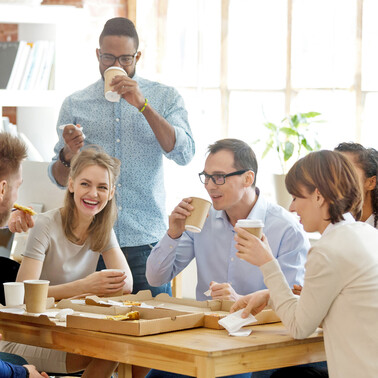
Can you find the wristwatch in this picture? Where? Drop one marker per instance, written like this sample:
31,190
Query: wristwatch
63,160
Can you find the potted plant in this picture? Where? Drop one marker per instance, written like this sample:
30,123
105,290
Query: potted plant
290,139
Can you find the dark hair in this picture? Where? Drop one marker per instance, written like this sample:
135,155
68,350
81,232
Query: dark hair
244,157
12,152
120,26
334,176
367,160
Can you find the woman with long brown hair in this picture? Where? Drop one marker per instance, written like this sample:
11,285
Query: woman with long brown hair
64,247
340,288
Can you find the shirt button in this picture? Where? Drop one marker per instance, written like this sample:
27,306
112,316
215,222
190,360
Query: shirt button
117,119
232,259
119,185
120,208
118,140
170,246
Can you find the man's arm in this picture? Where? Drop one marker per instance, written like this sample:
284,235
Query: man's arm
171,129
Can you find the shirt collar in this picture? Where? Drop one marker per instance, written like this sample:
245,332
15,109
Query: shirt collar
258,211
348,218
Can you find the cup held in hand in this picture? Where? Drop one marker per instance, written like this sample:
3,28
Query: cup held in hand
195,221
120,291
14,293
108,77
36,295
253,226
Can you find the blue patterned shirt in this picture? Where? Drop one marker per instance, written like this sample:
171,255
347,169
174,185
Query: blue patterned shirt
125,134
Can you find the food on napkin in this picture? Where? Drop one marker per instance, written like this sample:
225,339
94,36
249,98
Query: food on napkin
25,209
132,315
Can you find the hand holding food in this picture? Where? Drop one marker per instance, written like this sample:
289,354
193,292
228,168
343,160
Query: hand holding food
223,291
103,283
21,220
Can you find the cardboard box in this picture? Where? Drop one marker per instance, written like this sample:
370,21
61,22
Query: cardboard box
212,310
152,321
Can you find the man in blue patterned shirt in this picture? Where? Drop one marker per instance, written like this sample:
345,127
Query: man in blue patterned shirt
149,122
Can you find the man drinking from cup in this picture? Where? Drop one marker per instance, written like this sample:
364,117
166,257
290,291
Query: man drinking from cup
229,177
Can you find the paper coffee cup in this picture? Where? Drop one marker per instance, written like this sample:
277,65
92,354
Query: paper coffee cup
108,77
14,293
36,295
195,221
253,226
120,291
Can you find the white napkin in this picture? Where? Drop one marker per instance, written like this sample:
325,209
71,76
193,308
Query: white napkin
234,321
208,293
61,127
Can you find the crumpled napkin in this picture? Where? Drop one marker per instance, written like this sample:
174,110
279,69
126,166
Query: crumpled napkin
234,321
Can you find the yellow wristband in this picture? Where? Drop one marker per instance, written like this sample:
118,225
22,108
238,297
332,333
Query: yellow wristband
144,106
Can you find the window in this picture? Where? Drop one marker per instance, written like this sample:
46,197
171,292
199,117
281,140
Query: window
238,63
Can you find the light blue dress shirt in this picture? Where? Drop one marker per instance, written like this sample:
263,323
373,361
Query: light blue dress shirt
215,252
124,133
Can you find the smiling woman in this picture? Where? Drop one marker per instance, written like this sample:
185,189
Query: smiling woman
64,248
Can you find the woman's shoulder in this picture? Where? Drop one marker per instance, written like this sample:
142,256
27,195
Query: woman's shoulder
49,218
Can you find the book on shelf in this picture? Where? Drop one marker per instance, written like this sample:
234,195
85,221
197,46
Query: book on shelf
8,53
29,67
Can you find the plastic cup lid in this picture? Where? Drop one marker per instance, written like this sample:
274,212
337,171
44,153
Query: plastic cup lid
250,223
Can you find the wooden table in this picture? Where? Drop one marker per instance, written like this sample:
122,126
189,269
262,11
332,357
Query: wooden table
198,352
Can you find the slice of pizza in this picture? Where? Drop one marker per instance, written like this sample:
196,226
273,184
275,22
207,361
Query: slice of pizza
131,303
132,315
25,209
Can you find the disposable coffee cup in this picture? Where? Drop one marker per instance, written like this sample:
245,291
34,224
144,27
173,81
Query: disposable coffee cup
253,226
14,293
108,77
36,295
195,221
120,291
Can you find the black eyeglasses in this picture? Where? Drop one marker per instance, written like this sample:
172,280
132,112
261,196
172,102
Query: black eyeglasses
219,179
124,60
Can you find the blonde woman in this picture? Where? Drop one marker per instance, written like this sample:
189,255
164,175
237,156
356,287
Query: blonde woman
64,248
340,288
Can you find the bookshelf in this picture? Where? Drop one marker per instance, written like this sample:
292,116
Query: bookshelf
37,111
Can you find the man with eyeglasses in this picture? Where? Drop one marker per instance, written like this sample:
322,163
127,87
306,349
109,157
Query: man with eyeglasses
149,122
229,177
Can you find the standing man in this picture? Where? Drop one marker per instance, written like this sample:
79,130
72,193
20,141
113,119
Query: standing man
229,177
12,153
149,122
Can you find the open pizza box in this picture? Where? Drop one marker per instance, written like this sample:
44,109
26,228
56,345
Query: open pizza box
209,311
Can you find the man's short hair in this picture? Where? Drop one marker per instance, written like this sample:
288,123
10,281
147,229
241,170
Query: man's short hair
12,152
120,26
244,157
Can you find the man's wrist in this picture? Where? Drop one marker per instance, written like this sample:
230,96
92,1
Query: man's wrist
173,235
63,160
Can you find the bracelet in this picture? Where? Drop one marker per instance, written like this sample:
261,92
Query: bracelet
63,160
144,106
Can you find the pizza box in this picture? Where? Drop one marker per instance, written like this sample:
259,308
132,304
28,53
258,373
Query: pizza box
213,310
152,321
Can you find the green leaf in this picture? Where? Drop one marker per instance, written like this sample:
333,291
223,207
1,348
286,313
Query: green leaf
270,126
294,120
306,145
310,114
288,131
267,148
288,151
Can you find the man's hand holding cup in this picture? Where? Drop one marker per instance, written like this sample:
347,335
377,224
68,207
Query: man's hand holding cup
178,217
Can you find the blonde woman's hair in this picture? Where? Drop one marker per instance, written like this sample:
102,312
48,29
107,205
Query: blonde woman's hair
100,229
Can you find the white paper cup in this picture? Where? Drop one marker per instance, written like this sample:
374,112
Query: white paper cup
195,221
36,295
108,77
253,226
120,291
14,293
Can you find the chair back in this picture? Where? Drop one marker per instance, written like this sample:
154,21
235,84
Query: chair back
8,273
